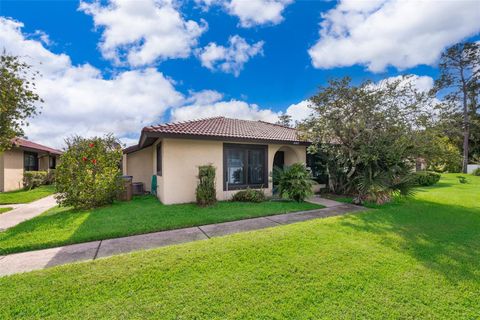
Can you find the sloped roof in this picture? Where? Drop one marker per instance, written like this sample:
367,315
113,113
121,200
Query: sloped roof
23,143
229,128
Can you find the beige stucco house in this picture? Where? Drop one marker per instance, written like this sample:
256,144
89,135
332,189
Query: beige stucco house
242,151
24,156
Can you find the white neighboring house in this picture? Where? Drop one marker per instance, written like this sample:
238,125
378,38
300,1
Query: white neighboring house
472,167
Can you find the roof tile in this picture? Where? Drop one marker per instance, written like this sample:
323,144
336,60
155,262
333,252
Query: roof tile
229,128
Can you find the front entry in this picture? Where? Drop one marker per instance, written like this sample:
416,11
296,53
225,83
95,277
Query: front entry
278,163
279,159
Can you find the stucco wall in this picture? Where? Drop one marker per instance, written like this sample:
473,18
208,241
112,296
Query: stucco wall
139,165
181,159
12,170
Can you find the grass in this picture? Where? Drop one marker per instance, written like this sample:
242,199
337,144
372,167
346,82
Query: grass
26,196
3,210
60,226
416,259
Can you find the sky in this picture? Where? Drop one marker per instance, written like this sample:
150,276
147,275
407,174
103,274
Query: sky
119,65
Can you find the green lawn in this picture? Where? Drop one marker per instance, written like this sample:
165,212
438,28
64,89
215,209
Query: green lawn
24,196
418,259
3,210
60,226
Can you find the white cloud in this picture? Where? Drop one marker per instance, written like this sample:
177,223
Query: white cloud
252,12
204,97
299,111
78,100
231,109
143,31
229,59
399,33
421,83
257,12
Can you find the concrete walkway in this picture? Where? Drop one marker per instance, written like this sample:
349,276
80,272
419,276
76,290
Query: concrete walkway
40,259
25,212
324,202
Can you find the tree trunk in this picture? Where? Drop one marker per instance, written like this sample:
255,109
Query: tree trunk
466,127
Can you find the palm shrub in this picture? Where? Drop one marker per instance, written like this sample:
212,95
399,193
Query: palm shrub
381,186
294,182
89,175
205,193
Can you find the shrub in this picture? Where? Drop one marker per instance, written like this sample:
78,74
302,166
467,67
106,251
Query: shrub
294,182
89,174
462,179
33,179
50,177
476,172
426,178
381,187
249,195
206,194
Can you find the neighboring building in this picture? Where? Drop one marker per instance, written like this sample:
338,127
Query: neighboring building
24,156
243,153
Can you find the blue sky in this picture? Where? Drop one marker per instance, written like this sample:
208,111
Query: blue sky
282,55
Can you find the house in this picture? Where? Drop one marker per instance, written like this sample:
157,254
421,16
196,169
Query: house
242,151
24,156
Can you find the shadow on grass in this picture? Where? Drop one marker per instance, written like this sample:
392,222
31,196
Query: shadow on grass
59,221
444,238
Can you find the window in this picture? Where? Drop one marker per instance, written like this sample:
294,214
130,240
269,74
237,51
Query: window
159,159
30,161
52,162
245,166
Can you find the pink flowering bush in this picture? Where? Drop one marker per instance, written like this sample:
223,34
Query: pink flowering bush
89,174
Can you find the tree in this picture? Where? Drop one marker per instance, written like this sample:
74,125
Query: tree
89,173
18,99
285,120
370,134
460,78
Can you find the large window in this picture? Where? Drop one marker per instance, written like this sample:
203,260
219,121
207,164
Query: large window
159,159
30,161
245,166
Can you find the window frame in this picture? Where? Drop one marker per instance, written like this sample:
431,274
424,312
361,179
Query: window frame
246,148
35,155
159,168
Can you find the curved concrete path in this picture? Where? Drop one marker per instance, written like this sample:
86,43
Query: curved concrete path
25,212
40,259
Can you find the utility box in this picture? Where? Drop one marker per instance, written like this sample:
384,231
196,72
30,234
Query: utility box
127,192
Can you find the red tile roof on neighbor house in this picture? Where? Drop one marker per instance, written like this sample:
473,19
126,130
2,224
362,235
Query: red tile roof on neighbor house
22,143
229,128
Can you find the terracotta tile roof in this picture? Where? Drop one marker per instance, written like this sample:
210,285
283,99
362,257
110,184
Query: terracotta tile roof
22,143
229,128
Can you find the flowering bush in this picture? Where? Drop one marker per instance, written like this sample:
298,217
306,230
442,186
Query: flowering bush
89,173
